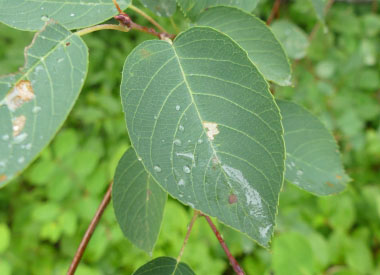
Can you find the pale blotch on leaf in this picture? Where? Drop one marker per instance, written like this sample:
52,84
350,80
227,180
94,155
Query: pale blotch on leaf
212,129
22,92
18,124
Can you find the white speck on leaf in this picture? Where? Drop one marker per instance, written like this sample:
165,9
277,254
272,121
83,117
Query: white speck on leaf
181,182
177,142
299,173
20,138
157,168
21,160
177,107
181,128
36,109
264,230
212,129
186,169
186,155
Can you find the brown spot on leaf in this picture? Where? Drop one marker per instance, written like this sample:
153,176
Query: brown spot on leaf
338,177
232,199
3,177
22,92
68,43
18,124
212,129
148,193
145,53
329,184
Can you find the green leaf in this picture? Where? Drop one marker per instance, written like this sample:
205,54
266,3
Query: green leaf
138,201
31,15
292,254
319,7
164,266
192,8
312,156
161,7
201,117
293,38
254,37
36,101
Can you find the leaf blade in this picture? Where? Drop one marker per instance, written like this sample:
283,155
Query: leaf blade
172,96
252,34
192,8
36,101
133,189
161,7
31,15
313,162
164,266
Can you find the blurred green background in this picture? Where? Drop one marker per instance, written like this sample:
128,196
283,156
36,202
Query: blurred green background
45,212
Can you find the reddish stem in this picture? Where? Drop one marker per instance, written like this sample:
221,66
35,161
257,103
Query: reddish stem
125,20
90,231
189,228
274,11
235,265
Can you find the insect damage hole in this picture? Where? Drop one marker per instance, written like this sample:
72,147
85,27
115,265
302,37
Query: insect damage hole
212,129
22,92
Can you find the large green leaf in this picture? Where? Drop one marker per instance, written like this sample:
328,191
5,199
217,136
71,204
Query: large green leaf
206,127
161,7
138,202
293,38
192,8
255,37
31,15
164,266
36,101
312,157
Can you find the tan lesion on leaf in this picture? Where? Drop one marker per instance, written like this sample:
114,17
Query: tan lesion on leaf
3,177
232,199
22,92
212,129
18,124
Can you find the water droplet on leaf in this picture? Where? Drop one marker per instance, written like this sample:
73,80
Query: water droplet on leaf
157,168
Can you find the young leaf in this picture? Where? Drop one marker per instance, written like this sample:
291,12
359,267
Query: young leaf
161,7
293,38
31,15
164,266
36,101
138,202
202,119
192,8
253,36
312,157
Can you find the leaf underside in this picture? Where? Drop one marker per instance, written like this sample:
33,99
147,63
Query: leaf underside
192,8
31,15
201,117
312,156
254,37
138,202
164,266
36,101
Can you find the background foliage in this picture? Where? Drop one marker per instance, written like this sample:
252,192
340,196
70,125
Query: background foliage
43,218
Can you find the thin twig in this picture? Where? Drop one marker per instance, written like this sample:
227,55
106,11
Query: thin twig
102,27
235,265
195,216
90,231
318,24
147,17
274,12
126,21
